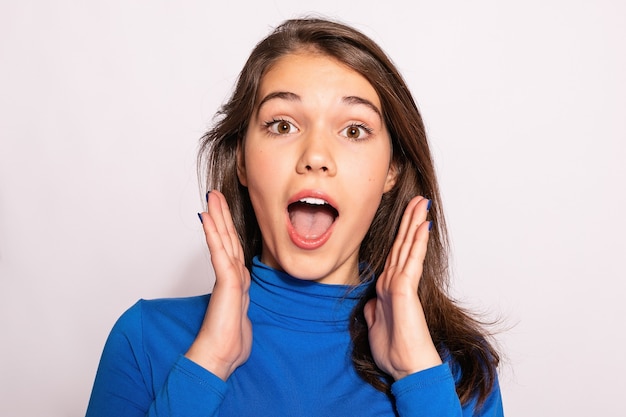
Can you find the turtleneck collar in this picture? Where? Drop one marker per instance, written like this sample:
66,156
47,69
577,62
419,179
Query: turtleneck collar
299,301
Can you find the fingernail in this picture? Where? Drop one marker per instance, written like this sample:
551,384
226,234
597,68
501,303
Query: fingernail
430,203
207,196
200,217
430,225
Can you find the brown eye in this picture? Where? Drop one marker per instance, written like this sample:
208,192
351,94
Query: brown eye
281,127
353,132
356,132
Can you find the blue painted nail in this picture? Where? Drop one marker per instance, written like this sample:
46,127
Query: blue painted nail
430,203
430,225
200,217
207,196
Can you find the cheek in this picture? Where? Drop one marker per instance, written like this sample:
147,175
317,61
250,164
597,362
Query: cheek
367,187
258,165
373,171
264,173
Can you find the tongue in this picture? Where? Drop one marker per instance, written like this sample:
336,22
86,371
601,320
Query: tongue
310,221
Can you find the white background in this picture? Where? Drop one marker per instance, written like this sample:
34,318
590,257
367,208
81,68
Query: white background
102,105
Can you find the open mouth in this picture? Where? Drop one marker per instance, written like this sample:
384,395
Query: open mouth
311,217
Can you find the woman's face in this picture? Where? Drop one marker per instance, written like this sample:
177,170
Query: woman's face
316,161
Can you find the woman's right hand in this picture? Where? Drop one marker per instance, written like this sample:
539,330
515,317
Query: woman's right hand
225,337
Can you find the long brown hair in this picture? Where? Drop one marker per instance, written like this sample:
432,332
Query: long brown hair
456,333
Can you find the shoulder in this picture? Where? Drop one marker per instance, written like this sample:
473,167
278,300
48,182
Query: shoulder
142,349
172,307
162,316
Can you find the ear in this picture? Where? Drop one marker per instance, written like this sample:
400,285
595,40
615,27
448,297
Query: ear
241,165
392,176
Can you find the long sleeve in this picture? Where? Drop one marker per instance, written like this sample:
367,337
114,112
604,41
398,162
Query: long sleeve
134,382
190,391
434,390
299,363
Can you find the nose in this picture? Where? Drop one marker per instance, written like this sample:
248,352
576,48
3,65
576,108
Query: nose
316,156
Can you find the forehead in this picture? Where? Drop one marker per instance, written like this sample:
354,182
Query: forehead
307,72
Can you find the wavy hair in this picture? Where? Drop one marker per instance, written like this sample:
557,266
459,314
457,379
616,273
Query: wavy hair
456,333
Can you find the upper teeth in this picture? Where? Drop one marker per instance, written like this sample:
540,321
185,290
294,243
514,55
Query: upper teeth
312,200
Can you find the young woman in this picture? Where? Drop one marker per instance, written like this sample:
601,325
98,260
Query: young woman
328,242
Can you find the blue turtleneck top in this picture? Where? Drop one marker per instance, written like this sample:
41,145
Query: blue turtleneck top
299,364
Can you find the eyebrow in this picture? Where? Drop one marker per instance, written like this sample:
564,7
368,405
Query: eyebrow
283,95
289,96
360,100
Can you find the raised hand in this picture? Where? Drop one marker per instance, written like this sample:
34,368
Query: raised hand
225,338
398,334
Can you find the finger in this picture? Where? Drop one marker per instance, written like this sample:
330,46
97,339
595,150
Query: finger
392,259
215,217
215,242
217,238
414,265
230,227
418,217
215,206
211,234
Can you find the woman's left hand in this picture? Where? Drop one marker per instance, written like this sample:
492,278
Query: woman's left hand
398,334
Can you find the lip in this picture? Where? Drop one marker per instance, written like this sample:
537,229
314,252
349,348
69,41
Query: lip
299,241
312,193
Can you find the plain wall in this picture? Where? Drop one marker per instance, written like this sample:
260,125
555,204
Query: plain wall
102,105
